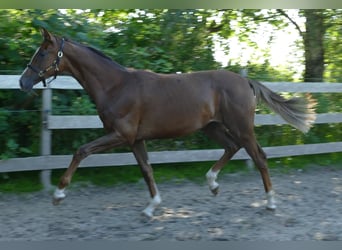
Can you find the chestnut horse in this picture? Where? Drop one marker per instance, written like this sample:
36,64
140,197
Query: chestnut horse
138,105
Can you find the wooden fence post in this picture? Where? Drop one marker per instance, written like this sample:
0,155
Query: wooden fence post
249,162
45,144
244,72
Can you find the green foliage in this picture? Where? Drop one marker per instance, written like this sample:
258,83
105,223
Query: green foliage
263,72
19,129
19,182
333,46
165,41
72,103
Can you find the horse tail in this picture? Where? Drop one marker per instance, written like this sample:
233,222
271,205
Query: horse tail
298,112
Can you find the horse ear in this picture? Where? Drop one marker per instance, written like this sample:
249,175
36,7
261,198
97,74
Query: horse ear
46,35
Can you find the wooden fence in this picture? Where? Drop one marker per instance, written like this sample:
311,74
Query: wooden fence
47,162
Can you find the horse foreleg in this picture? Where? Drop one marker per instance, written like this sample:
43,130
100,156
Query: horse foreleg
103,143
141,156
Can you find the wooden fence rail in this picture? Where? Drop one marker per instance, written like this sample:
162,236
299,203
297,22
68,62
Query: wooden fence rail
52,122
121,159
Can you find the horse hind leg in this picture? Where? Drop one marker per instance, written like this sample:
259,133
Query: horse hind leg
213,172
259,157
219,133
140,153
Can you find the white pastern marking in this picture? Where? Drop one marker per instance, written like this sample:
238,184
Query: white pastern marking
211,178
152,206
59,193
271,204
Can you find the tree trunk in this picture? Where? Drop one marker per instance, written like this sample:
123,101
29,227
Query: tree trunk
313,45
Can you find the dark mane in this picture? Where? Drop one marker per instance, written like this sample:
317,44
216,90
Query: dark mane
99,53
96,51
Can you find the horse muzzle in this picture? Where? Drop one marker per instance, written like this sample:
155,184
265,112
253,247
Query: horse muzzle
26,84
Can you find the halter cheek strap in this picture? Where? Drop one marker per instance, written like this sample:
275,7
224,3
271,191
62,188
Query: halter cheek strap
54,66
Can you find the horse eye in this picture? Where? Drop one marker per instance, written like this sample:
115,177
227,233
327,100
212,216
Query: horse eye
43,53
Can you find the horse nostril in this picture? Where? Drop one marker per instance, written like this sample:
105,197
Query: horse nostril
21,83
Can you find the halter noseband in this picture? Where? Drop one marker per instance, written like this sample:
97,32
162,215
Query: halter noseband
54,66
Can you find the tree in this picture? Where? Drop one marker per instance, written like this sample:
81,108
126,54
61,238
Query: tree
165,41
319,33
333,46
315,39
313,44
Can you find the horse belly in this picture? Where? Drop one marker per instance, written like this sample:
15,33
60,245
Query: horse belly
165,129
170,123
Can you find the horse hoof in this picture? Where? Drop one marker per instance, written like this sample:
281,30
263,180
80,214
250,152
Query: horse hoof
271,207
147,214
58,196
56,201
215,191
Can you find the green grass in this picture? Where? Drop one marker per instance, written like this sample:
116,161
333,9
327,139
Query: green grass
306,162
108,176
22,182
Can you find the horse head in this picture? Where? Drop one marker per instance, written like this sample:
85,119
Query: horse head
45,63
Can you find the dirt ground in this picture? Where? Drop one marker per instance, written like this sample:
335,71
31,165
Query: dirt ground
309,208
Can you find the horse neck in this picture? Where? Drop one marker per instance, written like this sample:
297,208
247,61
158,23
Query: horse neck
94,73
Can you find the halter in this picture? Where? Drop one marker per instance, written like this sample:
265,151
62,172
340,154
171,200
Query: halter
54,66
